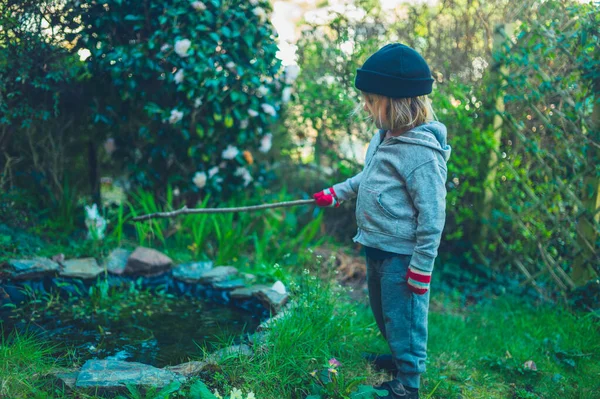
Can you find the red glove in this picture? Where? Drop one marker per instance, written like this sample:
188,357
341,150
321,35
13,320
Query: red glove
326,198
418,280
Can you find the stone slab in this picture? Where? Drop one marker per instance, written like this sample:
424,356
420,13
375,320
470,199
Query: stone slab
248,292
30,269
192,272
272,299
84,268
229,284
116,261
190,369
114,375
147,261
219,273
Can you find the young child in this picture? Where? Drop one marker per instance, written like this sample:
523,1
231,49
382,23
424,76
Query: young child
401,204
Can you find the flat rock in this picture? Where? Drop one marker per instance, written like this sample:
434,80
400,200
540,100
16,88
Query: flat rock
219,273
248,292
190,369
85,268
229,284
147,261
116,261
272,299
29,269
114,375
192,272
67,379
234,350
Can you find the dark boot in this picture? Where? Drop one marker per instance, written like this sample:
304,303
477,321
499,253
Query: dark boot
396,390
382,362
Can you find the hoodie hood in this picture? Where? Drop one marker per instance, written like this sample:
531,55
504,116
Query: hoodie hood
431,134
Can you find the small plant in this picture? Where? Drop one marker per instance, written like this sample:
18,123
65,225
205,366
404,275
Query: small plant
95,223
329,382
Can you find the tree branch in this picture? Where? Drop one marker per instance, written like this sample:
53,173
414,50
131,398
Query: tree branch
185,210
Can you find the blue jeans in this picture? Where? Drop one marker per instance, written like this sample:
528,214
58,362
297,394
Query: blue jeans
401,316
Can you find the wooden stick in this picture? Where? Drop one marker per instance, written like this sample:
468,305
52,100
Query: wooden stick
185,210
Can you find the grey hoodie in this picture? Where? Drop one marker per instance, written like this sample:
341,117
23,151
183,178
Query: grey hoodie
401,204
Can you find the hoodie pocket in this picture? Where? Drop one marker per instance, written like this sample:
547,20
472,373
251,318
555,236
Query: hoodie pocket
372,215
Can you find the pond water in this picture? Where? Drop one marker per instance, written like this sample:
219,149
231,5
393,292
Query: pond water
160,333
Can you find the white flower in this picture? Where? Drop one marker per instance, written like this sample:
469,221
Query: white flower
260,13
95,223
268,109
230,152
252,113
182,47
254,2
216,393
236,394
213,171
176,192
266,143
244,124
197,102
110,146
165,47
231,66
200,179
291,73
279,287
198,6
175,117
262,90
244,174
250,395
286,94
179,75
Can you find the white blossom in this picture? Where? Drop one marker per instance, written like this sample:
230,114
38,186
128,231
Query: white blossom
286,94
199,6
262,90
176,192
182,47
200,179
175,117
244,124
213,171
260,13
110,146
279,288
254,3
252,113
244,174
268,109
165,47
231,66
230,152
95,223
266,143
179,75
291,73
197,102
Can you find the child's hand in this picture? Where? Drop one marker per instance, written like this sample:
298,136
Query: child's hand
418,280
326,198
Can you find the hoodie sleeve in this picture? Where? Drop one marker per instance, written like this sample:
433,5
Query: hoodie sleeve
348,189
427,187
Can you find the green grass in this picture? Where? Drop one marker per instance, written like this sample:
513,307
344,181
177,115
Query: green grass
474,352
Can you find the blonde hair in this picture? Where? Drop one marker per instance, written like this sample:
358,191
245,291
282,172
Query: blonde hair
398,113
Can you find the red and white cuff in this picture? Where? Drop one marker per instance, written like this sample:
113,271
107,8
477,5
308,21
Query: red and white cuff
418,280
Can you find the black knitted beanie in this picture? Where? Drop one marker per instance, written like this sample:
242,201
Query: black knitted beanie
395,71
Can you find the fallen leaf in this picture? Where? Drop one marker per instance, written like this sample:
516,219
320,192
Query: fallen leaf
530,364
